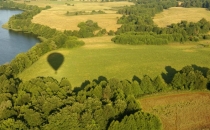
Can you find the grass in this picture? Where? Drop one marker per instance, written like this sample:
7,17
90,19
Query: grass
186,110
100,57
176,14
56,16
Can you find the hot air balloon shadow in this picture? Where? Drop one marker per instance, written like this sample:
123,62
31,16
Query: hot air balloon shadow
55,60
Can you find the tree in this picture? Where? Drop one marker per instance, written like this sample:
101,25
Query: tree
160,84
33,119
12,124
189,79
147,85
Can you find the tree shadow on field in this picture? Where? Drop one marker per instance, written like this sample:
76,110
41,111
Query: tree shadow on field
100,78
208,85
204,70
87,82
168,76
82,86
55,60
135,78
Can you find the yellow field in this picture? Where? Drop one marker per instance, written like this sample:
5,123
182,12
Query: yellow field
56,18
176,14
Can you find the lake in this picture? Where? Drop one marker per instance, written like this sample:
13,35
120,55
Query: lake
12,43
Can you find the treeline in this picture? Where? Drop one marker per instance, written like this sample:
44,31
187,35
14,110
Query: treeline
85,13
180,32
45,103
13,5
196,3
138,18
140,39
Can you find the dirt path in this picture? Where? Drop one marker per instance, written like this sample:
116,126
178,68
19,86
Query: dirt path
186,111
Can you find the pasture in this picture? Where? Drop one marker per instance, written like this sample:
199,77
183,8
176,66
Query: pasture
56,16
176,14
100,57
180,111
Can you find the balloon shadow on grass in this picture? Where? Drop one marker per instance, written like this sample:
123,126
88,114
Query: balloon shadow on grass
55,60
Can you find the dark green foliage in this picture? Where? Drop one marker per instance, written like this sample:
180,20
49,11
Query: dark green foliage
189,79
87,29
137,121
140,39
84,13
147,85
138,18
196,3
111,32
97,12
25,60
12,124
47,7
45,103
32,118
101,32
160,85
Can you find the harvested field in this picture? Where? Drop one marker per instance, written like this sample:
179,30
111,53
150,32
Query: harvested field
185,111
56,16
176,14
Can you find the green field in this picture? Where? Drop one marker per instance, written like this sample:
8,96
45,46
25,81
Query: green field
99,57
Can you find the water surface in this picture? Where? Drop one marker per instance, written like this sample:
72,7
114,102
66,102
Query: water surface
12,43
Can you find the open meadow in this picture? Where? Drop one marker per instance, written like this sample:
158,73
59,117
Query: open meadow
181,111
176,14
56,16
100,57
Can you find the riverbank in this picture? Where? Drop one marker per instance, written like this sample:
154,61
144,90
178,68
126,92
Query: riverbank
6,26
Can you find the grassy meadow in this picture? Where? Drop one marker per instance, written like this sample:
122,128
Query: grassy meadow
56,16
100,57
176,14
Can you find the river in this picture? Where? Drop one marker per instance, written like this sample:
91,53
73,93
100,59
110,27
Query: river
12,43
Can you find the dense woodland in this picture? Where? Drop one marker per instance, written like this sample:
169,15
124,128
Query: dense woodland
45,103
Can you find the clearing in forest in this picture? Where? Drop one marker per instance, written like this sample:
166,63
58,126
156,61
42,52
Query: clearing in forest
181,111
101,57
56,16
176,14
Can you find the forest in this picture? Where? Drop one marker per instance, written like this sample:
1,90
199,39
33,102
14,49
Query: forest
45,103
